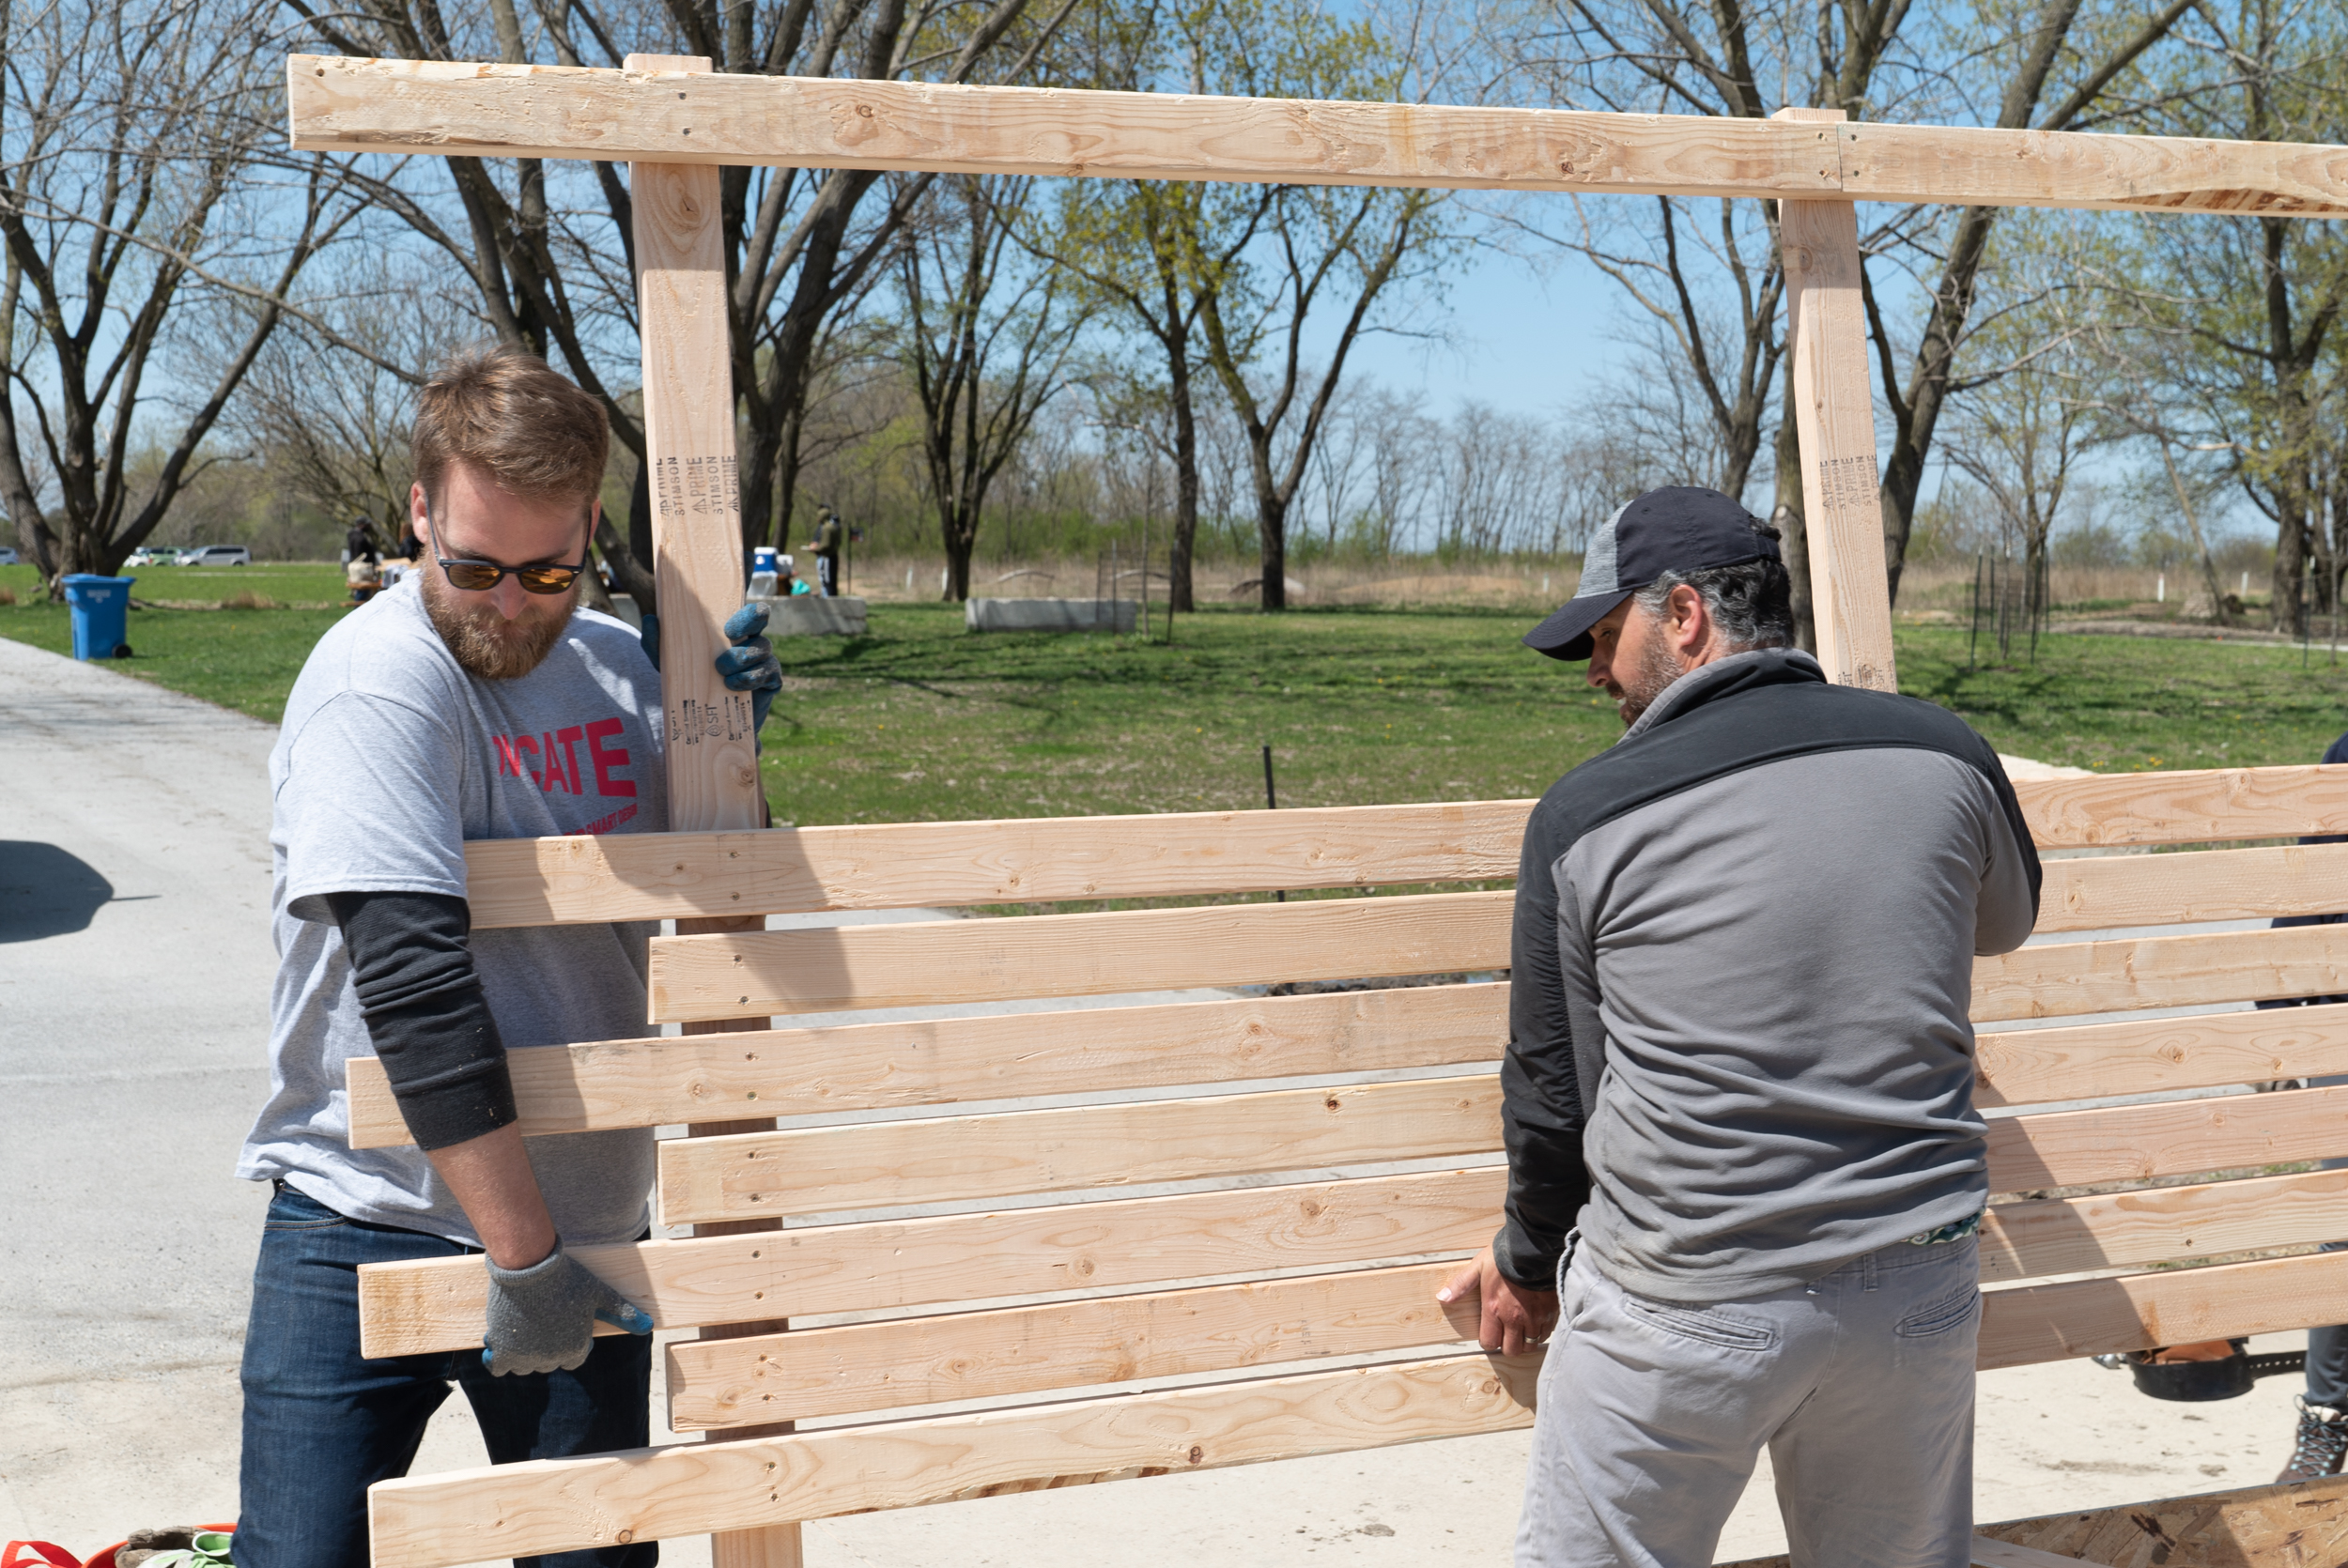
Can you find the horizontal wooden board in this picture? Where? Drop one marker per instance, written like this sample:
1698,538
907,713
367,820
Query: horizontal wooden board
2023,1067
2174,1306
1019,1350
410,1308
829,1170
2184,1137
649,1494
2156,1224
403,106
1108,1339
1075,955
865,1067
1072,955
666,876
556,1505
2199,806
2207,885
2139,174
2065,979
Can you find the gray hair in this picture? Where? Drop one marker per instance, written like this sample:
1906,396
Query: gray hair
1752,602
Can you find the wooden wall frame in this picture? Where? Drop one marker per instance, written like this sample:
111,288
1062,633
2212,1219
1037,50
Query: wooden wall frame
674,121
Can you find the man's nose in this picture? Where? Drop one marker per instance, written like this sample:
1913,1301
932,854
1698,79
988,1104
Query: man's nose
1599,669
509,596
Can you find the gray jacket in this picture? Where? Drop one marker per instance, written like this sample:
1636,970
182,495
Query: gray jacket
1739,1055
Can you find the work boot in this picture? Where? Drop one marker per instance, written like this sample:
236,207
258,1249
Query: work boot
2322,1444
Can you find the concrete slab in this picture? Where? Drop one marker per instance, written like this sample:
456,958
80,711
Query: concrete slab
811,615
1051,615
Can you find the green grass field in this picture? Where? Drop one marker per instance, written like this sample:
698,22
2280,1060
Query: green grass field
923,720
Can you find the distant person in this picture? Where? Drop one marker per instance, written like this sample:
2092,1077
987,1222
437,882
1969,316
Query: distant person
1737,1094
364,577
479,701
359,542
826,548
2322,1440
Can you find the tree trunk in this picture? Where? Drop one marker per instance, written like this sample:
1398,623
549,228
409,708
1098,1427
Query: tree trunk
1179,554
961,540
1272,525
1788,519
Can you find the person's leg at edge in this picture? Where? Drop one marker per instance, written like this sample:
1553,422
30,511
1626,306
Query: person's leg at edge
1875,1470
1651,1419
603,1405
321,1424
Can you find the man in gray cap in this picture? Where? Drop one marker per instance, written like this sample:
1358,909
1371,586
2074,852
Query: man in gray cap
1743,1157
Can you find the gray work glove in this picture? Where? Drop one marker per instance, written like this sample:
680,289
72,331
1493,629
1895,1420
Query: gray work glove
542,1318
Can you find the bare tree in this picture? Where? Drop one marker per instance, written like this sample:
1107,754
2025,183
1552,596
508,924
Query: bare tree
988,338
140,218
550,248
1724,58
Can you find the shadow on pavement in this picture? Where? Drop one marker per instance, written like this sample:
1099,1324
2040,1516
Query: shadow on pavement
46,891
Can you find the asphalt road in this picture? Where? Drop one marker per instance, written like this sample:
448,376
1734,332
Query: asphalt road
134,974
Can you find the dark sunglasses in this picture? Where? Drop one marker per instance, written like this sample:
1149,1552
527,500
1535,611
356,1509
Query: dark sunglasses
478,575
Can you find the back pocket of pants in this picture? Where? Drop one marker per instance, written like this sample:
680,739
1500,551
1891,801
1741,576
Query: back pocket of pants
1704,1328
1951,1312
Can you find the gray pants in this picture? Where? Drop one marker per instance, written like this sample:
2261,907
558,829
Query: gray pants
1653,1415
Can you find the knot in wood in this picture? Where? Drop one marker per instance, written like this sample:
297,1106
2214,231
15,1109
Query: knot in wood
1196,1453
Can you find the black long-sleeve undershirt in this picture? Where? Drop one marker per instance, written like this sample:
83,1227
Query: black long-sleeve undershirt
412,961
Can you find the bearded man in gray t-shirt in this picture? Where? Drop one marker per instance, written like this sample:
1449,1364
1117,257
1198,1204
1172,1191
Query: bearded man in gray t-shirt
475,700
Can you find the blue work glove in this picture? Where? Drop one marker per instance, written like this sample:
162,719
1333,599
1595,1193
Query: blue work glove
542,1319
749,665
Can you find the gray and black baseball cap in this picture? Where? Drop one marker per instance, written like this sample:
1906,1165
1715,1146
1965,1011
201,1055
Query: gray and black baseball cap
1680,528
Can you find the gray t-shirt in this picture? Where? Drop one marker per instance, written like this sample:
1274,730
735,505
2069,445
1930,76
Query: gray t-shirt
390,758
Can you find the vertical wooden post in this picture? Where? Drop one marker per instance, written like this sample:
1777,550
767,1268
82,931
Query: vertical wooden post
1825,352
697,547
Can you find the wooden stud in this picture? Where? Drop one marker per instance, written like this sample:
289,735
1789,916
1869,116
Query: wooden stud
962,1356
2251,1527
832,1170
412,1308
2173,1306
832,968
1826,353
493,111
659,876
643,1494
696,498
712,743
2070,978
2183,1137
2159,1224
864,1067
795,1072
540,882
2024,1067
1105,1339
2174,889
2204,806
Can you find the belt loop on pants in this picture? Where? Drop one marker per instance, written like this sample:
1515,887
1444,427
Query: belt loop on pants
1867,1271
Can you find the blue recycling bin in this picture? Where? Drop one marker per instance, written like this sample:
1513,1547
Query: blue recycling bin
101,607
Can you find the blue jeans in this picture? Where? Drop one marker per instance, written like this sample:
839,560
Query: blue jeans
322,1424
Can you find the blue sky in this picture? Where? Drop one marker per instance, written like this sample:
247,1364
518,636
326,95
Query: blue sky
1516,341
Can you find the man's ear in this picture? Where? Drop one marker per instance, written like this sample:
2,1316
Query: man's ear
1690,622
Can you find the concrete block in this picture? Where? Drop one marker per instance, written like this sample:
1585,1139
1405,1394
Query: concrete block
1051,615
810,615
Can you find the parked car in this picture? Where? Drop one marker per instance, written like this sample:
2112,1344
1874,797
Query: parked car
152,555
8,556
216,555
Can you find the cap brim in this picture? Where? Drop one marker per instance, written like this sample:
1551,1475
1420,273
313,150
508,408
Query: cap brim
1566,634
